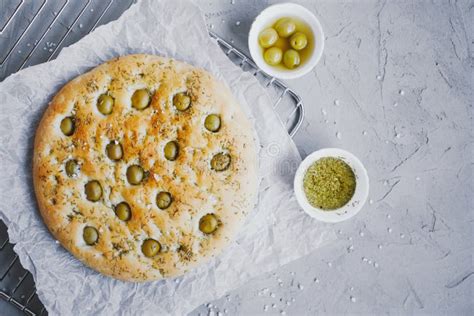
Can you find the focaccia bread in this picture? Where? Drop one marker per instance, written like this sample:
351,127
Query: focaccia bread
144,167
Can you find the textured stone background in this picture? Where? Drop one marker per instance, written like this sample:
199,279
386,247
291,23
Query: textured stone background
395,88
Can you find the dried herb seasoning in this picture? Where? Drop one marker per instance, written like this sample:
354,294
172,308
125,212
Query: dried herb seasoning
329,183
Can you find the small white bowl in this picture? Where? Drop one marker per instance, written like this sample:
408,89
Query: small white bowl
356,202
269,16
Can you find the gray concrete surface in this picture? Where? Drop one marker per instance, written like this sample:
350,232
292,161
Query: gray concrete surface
395,88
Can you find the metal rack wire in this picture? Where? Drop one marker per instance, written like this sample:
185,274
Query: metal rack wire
296,114
18,19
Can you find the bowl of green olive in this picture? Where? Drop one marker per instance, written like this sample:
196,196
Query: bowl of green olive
286,41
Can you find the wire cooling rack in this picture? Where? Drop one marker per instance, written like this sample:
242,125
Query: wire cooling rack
33,32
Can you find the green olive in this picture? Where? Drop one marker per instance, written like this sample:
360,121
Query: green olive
171,150
267,37
123,211
298,41
135,174
208,223
90,235
114,150
212,122
220,162
105,104
291,59
72,168
150,247
163,200
182,101
68,125
93,190
141,99
273,56
285,27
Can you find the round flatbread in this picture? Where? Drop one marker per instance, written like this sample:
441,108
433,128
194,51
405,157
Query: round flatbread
144,167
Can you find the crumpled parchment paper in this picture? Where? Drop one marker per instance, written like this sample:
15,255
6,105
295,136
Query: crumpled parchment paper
276,232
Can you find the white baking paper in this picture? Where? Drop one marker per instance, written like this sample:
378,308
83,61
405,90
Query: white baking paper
276,231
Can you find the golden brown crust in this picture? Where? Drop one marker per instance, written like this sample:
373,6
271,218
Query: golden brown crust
196,189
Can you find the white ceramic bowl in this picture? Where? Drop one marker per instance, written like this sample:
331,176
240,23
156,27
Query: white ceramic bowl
358,199
269,16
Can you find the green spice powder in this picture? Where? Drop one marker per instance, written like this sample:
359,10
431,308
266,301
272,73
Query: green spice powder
329,183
